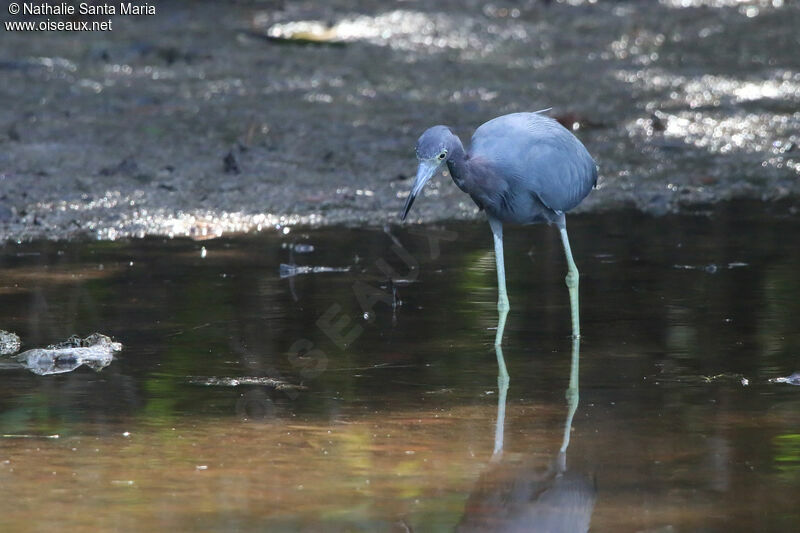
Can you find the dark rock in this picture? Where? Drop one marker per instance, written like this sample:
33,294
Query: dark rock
575,121
230,165
127,167
656,124
6,214
13,133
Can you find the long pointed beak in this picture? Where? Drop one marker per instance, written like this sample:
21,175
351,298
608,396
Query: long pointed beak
425,171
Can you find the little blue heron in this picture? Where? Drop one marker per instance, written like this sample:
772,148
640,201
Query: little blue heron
522,168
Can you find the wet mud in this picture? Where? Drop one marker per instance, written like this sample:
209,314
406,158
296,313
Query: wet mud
209,117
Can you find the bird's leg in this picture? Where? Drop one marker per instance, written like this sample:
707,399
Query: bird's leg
502,389
502,295
572,282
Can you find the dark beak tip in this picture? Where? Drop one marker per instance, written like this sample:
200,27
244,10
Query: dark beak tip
407,208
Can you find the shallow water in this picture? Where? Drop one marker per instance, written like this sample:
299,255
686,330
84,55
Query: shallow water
392,425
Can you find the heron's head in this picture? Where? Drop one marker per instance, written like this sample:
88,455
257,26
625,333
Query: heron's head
433,149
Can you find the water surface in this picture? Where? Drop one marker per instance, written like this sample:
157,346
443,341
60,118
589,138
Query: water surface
391,425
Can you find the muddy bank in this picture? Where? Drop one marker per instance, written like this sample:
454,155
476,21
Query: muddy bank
205,118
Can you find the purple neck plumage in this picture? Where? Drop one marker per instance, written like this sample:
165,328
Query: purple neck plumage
457,161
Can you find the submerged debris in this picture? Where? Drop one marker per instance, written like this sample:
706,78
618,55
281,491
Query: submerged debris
301,248
29,436
725,377
9,343
245,380
288,271
298,247
794,379
95,351
711,268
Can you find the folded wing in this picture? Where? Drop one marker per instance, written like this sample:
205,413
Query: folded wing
534,153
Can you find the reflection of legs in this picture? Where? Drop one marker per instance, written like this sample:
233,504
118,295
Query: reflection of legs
502,295
572,393
502,389
572,282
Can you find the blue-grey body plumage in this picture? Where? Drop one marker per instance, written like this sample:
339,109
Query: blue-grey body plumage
536,162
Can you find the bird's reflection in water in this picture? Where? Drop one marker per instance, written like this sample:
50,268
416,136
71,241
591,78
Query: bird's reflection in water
518,496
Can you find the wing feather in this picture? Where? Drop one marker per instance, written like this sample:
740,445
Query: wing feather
535,153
